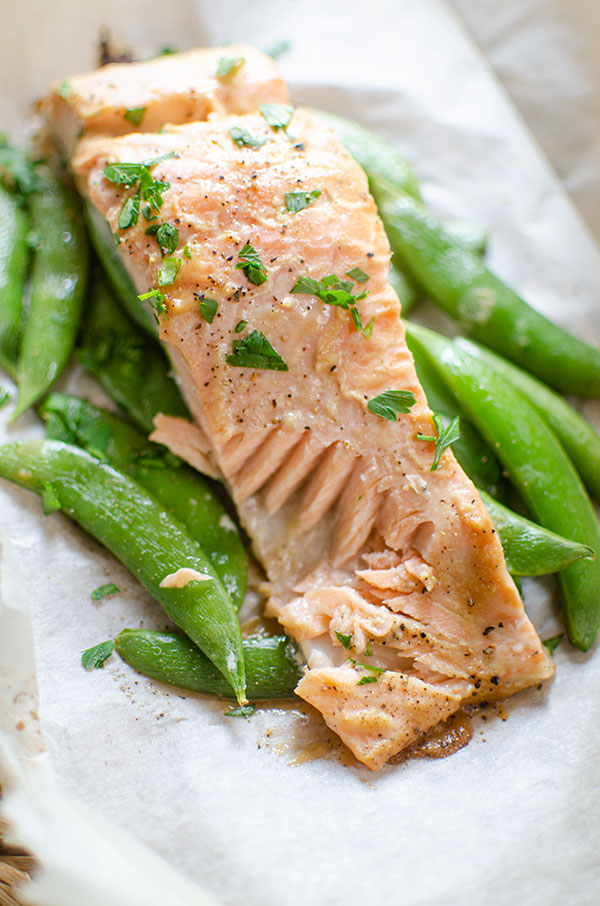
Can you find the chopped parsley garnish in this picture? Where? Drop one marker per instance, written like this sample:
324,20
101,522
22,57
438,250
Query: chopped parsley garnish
103,591
330,290
243,137
4,397
64,90
369,667
255,351
166,235
391,403
249,262
278,116
277,50
187,251
368,329
94,658
208,309
149,189
445,437
344,639
15,167
168,271
135,115
365,680
50,501
369,650
228,66
240,326
357,274
155,298
297,201
553,643
242,711
356,318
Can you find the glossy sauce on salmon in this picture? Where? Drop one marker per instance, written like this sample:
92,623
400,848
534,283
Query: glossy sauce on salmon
390,575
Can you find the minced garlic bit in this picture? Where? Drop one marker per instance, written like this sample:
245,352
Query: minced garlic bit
182,577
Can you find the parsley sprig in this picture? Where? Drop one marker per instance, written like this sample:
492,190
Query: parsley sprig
333,291
149,189
255,351
166,235
94,658
443,439
249,262
392,403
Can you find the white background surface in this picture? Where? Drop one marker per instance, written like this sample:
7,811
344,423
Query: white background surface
513,817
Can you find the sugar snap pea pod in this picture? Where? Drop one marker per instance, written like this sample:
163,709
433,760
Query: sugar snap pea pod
578,438
130,367
538,467
529,549
14,255
59,274
273,665
181,490
404,287
155,546
118,278
474,455
457,280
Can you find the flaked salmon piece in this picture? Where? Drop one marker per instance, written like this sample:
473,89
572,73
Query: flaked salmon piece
175,88
372,559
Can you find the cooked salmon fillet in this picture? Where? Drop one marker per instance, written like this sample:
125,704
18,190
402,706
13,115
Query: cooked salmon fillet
389,575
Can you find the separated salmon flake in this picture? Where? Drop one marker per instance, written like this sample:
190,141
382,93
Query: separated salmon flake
368,553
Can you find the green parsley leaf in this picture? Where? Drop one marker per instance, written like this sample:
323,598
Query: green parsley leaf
64,90
150,189
228,66
553,643
123,174
249,262
368,329
392,402
357,274
187,251
297,201
155,298
356,318
168,271
242,711
278,116
148,215
445,437
208,309
94,658
4,397
278,49
308,285
369,650
103,591
255,351
369,667
365,680
135,115
130,212
50,501
243,137
344,639
240,326
330,290
166,235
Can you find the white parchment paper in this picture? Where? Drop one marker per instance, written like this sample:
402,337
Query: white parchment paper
511,818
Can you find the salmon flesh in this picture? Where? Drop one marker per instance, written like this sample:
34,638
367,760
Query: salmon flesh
390,575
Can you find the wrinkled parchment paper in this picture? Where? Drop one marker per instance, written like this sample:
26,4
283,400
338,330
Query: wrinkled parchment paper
241,807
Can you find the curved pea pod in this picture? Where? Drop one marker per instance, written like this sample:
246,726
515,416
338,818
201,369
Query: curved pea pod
404,288
538,467
578,438
155,546
273,665
529,549
474,455
181,490
59,274
120,282
456,279
14,257
130,367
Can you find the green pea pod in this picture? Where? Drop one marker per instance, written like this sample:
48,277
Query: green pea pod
155,546
130,367
59,274
474,455
538,467
273,665
14,256
529,549
578,438
181,490
118,277
404,287
457,280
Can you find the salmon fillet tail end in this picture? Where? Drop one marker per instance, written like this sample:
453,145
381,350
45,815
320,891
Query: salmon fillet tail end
389,575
